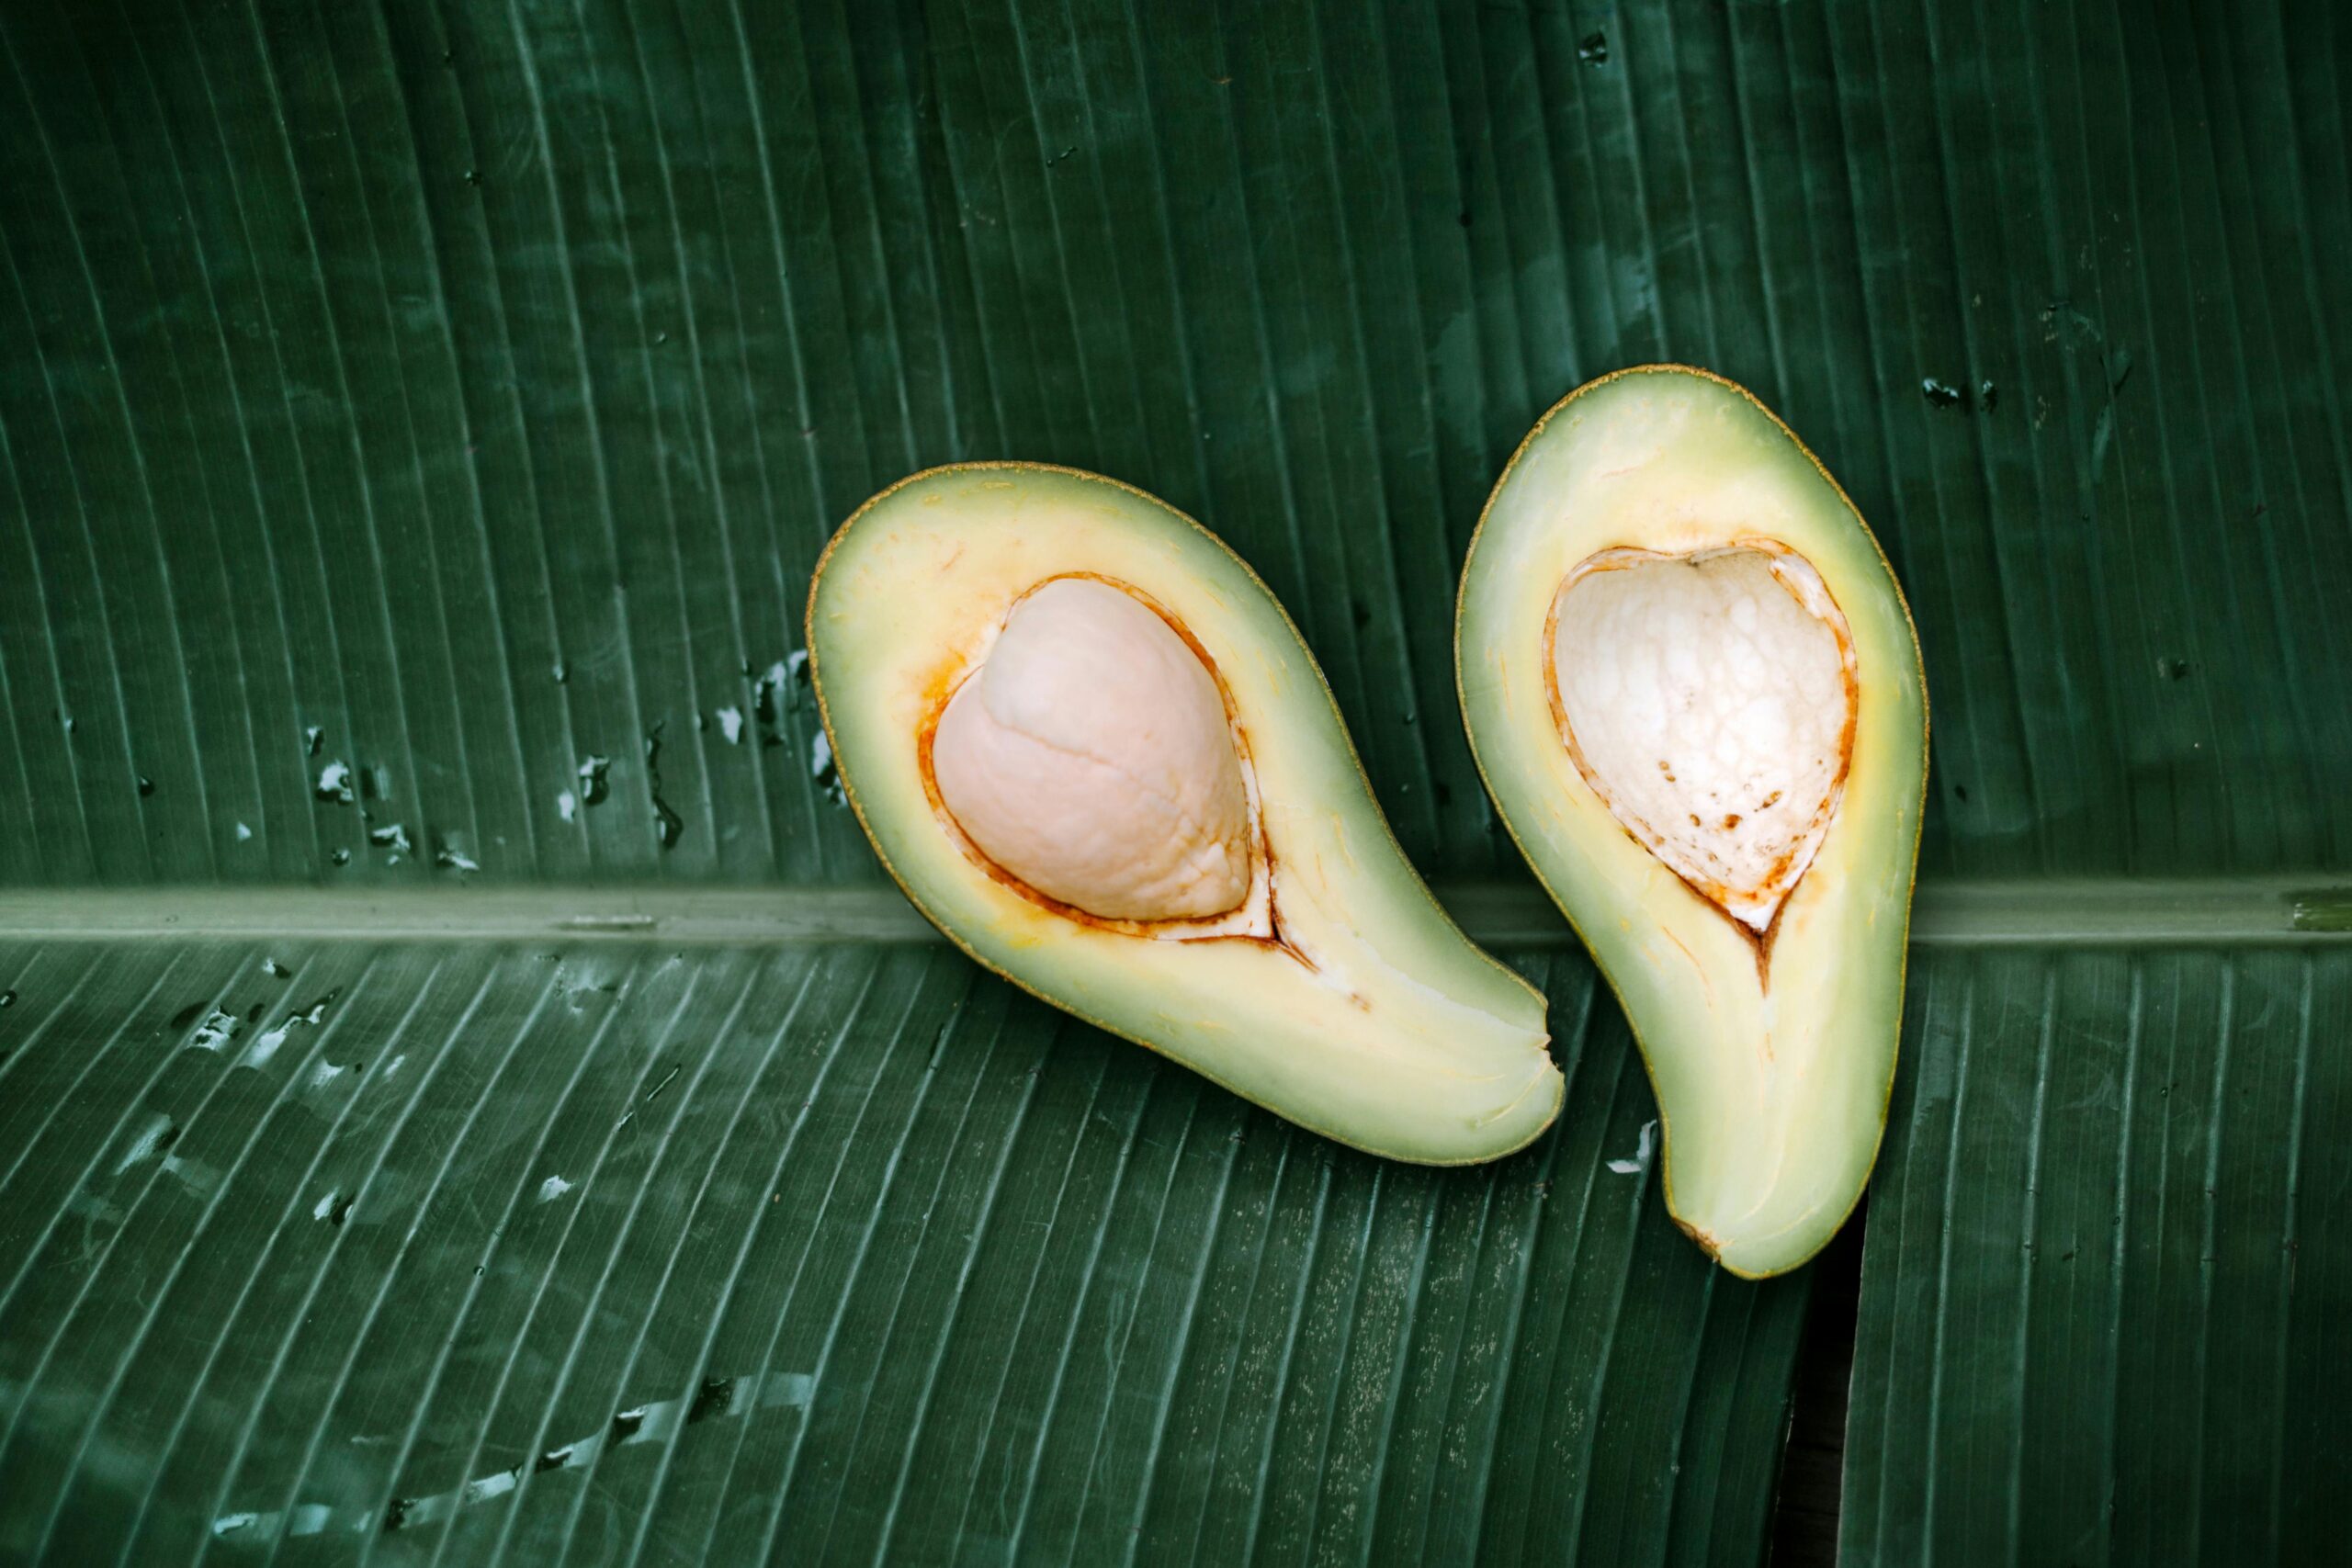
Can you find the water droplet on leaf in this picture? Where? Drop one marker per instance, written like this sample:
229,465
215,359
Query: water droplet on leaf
217,1029
774,682
822,769
667,824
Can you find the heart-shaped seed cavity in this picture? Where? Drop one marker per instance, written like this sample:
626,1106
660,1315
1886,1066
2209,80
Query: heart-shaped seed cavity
1708,700
1091,757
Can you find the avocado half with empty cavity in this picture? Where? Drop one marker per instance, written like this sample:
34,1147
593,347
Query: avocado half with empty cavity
1095,751
1696,696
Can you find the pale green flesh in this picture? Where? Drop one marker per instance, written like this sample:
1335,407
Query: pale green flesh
1772,1097
1402,1039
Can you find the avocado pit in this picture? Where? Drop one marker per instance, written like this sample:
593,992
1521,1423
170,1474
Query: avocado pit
1089,759
1708,700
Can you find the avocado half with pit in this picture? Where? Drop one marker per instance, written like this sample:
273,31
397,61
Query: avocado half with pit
1696,696
1094,750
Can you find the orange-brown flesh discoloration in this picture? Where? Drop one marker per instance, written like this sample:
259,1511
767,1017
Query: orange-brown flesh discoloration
1706,1242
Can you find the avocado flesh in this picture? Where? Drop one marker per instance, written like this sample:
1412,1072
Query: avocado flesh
1337,994
1665,582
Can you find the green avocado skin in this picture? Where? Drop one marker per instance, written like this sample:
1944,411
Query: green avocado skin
1373,1019
1773,1078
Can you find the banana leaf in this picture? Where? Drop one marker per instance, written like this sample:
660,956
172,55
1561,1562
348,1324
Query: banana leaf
470,1096
529,1252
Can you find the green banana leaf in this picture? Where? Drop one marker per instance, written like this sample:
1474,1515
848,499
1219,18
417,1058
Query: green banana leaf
529,1254
468,1096
2102,1307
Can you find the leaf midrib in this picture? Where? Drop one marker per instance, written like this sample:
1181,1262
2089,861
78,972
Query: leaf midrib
2210,911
